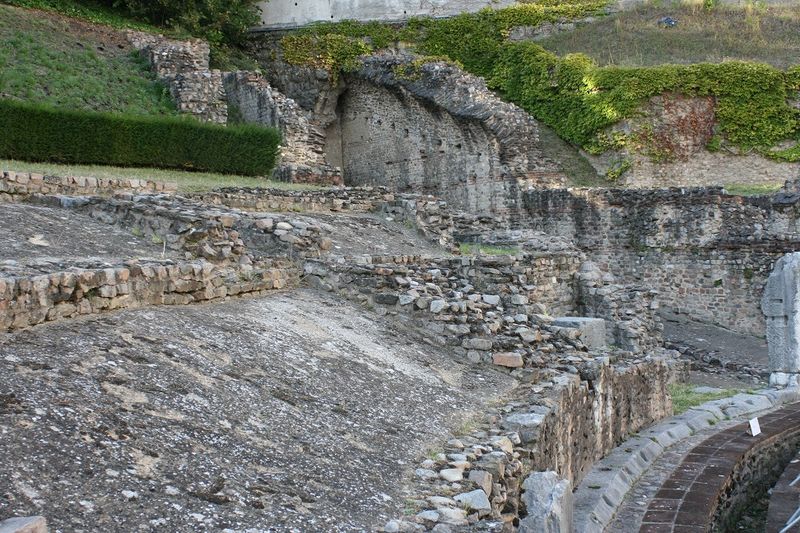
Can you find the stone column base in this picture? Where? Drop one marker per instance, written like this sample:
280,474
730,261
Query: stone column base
784,379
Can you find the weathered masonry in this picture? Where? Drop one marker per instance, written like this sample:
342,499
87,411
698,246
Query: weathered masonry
426,129
707,253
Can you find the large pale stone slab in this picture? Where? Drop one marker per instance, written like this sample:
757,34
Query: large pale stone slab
548,500
27,524
593,330
781,307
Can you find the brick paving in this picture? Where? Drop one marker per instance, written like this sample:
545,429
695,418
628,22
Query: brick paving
689,498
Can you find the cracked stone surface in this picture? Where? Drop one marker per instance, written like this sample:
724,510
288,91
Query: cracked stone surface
44,233
294,412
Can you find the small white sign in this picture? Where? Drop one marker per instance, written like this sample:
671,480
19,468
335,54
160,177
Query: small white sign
755,428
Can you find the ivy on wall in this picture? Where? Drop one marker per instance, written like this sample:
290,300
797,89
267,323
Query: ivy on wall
572,94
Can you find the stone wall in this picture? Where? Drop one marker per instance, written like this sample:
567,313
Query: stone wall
302,152
560,422
16,185
495,309
422,128
592,413
226,253
183,66
434,129
707,253
82,290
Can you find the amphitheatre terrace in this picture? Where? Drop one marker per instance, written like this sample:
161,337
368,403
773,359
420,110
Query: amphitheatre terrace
425,317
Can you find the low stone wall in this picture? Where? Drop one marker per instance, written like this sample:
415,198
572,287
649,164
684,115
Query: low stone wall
18,185
29,300
496,309
561,421
431,216
343,199
227,253
592,413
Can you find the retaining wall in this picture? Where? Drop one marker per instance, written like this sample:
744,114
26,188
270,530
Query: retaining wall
707,253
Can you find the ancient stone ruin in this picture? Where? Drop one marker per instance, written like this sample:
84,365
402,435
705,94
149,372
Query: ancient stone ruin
780,306
443,336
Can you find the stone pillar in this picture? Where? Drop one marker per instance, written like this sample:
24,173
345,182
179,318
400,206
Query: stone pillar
781,306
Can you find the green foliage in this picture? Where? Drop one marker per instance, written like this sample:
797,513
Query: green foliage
714,144
224,24
215,20
413,71
332,52
473,39
617,170
579,99
476,39
87,10
36,132
750,189
41,60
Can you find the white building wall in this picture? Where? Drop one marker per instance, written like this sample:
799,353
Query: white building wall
291,13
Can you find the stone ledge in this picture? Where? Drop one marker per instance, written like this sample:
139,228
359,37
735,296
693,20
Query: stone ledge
29,300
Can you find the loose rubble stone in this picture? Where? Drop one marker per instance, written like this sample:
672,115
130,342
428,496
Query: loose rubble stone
474,501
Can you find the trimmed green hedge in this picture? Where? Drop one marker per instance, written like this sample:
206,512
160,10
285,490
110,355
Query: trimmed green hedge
35,132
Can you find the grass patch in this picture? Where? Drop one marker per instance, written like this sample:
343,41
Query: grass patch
225,55
49,60
187,181
766,34
483,249
749,189
684,396
88,11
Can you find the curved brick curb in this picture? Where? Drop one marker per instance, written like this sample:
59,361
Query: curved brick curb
604,488
711,486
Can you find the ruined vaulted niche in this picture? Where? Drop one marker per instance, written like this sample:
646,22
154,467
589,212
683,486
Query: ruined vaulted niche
388,137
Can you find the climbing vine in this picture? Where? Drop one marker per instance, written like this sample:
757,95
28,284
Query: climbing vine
572,94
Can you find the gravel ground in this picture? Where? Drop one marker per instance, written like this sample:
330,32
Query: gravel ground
296,412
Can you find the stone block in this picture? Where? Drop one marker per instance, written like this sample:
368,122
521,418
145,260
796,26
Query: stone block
548,500
509,359
593,330
28,524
